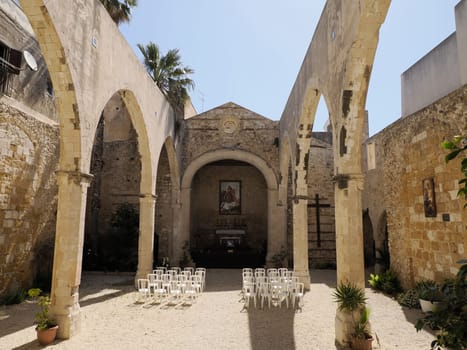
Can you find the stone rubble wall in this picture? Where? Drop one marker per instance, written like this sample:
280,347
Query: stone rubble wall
407,152
320,173
29,153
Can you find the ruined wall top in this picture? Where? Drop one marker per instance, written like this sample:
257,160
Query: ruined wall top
441,71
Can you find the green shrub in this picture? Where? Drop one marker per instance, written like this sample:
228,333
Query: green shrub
450,322
409,299
386,282
14,298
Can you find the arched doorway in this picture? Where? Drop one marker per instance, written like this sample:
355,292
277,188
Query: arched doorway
368,239
112,211
229,215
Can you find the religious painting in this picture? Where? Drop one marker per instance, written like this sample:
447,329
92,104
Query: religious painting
429,202
230,197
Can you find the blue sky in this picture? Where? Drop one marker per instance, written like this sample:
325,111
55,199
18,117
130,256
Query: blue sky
250,51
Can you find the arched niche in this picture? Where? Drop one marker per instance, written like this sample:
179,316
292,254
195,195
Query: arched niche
256,165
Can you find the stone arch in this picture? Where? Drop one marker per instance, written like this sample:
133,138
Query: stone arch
84,68
275,232
167,210
285,156
239,155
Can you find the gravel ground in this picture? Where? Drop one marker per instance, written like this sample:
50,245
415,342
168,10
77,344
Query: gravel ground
112,320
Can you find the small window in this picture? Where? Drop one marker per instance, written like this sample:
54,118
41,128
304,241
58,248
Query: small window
10,63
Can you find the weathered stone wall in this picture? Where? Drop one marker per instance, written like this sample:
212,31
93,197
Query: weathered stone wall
319,179
232,127
406,153
28,196
164,206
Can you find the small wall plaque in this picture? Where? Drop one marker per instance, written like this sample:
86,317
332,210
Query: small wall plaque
446,217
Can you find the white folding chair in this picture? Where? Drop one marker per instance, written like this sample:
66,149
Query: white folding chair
282,271
296,293
177,269
272,271
247,269
202,276
143,289
191,270
152,281
197,282
264,293
248,294
191,291
175,291
279,293
159,291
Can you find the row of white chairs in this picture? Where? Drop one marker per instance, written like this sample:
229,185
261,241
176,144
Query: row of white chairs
172,285
272,285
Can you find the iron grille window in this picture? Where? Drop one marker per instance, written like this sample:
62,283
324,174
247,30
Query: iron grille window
10,63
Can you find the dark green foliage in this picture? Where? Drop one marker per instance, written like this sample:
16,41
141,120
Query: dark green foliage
120,247
456,146
119,11
43,319
361,328
349,297
450,323
386,282
14,298
424,289
168,73
409,299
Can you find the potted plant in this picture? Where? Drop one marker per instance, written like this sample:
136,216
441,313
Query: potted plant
361,336
351,301
450,322
430,296
46,327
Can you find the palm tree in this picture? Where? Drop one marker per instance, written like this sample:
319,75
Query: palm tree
119,11
168,73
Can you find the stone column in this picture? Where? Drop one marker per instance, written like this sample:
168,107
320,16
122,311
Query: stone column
183,235
276,237
349,241
147,205
68,253
300,241
177,215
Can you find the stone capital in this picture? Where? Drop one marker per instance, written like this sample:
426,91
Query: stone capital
75,176
147,198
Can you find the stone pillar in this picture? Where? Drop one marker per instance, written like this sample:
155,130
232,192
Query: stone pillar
183,235
68,253
300,241
349,241
177,215
147,205
276,235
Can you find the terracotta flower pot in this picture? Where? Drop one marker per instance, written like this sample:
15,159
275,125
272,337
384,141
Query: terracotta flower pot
362,343
46,336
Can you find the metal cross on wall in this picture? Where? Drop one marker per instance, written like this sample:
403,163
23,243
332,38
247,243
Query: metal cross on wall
318,205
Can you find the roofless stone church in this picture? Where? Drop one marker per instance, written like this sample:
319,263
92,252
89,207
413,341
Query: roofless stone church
89,133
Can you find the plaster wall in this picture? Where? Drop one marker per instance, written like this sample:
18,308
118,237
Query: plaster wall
441,71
